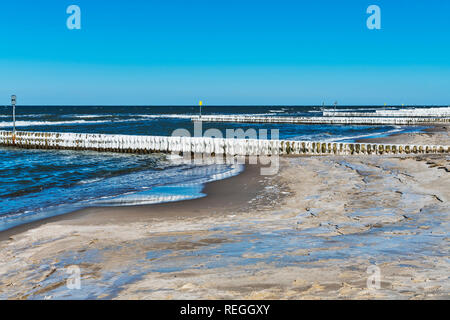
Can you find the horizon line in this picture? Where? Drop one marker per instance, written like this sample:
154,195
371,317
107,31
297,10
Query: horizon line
229,105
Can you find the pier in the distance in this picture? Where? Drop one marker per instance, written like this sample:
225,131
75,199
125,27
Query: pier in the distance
416,116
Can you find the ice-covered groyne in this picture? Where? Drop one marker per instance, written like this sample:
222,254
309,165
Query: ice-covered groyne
442,112
204,145
324,120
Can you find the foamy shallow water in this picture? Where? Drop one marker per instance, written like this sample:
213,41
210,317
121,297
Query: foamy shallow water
41,183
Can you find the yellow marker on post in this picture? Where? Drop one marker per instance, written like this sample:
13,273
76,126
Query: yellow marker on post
200,103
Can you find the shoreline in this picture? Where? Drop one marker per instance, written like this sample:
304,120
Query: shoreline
438,132
247,182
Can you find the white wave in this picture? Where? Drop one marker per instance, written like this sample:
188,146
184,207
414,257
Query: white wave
22,123
349,109
88,116
341,139
167,116
189,188
248,114
189,116
134,116
43,115
137,199
47,123
173,157
36,115
89,181
322,137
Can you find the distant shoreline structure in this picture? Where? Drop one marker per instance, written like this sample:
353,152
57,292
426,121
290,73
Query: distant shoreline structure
325,120
384,116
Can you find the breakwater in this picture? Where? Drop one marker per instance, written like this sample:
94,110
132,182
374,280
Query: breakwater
202,145
324,120
409,113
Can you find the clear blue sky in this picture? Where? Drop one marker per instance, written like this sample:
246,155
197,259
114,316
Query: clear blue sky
225,52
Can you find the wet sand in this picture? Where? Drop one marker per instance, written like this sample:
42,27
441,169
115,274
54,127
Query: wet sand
316,230
232,193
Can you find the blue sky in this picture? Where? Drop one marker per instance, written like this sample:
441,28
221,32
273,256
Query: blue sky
225,52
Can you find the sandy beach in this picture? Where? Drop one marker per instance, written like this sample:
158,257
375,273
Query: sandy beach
316,230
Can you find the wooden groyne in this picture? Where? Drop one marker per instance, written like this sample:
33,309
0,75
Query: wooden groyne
324,120
441,112
205,145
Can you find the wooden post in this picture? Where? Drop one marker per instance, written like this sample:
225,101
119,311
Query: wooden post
13,103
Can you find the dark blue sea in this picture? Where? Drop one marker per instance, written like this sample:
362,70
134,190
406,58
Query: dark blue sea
35,184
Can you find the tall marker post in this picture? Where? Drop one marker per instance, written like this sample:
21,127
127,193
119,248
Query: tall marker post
13,103
200,103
